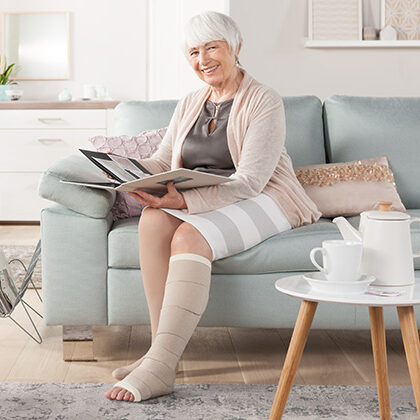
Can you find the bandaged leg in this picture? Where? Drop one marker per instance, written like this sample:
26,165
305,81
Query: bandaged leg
186,296
122,372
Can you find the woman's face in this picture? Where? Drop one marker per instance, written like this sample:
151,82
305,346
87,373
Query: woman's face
213,62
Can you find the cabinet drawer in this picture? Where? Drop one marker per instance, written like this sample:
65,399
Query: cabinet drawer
19,198
37,150
53,118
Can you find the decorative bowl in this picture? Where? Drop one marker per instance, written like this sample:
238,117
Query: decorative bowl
14,94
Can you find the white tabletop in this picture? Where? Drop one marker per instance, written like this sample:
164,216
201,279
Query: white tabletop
298,287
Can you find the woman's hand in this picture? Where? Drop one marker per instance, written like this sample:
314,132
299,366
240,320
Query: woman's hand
171,200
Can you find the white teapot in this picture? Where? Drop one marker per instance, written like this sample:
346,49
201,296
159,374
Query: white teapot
387,252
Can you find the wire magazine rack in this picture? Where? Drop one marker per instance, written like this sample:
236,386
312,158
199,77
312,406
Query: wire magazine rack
11,296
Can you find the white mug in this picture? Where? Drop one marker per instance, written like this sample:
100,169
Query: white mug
341,260
89,92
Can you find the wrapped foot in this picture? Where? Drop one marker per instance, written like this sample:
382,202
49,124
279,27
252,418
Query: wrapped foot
151,379
119,394
123,371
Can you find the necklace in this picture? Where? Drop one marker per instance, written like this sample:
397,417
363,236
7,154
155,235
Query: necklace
211,124
216,111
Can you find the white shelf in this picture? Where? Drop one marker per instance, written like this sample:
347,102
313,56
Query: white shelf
362,44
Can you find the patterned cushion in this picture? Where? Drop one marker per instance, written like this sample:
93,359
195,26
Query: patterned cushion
348,188
141,146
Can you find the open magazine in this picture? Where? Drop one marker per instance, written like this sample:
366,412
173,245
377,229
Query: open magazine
128,175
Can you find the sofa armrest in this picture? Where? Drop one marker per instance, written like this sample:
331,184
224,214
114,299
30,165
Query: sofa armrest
91,202
74,267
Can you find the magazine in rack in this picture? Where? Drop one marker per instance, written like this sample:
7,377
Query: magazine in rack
128,175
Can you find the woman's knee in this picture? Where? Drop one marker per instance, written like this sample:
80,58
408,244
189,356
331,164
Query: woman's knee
188,239
156,222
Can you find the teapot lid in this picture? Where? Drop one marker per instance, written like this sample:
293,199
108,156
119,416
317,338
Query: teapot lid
386,215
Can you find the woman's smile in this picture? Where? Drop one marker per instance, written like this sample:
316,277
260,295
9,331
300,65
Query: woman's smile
210,70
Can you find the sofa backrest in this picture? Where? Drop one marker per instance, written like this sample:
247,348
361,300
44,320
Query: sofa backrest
367,127
304,138
304,131
133,117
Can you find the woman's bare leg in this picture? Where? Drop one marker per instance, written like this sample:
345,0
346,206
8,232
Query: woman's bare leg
156,230
186,241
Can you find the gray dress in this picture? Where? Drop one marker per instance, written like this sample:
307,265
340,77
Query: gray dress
209,152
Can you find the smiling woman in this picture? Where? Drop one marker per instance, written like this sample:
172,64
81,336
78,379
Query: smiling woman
212,45
233,126
215,64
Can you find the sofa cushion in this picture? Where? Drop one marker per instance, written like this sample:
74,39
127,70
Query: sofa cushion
91,202
137,147
348,188
287,251
304,130
364,127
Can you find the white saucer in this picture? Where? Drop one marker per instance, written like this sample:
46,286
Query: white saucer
320,284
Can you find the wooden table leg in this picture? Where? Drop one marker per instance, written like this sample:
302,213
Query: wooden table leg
377,330
410,337
294,354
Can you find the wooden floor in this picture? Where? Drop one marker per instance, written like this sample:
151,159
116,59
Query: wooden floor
214,355
19,234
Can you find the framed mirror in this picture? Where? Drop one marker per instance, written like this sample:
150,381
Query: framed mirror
38,43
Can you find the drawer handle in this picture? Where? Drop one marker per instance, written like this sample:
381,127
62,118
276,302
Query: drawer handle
50,141
49,120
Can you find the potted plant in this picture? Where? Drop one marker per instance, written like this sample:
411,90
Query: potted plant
5,81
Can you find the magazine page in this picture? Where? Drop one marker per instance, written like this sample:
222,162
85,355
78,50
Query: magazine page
129,166
118,167
8,290
115,170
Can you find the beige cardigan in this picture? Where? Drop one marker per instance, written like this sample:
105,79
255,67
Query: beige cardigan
256,134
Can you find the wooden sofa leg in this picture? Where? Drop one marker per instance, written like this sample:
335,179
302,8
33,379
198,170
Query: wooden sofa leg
78,343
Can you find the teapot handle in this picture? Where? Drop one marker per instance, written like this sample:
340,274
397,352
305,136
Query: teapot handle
413,220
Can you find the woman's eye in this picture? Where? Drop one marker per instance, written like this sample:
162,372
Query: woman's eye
193,53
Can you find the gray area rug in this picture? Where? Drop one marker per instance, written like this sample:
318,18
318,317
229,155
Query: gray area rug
193,402
23,253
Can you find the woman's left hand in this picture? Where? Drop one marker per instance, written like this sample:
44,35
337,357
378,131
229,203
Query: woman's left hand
171,200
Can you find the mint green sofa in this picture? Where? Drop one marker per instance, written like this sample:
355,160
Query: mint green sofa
90,265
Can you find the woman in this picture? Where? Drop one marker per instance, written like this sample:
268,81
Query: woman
235,127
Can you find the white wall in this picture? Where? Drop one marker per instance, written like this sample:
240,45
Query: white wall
273,52
108,46
170,75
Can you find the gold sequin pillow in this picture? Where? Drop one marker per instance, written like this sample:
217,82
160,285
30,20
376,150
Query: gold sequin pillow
347,189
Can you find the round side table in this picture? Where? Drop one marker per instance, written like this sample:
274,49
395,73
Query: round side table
297,286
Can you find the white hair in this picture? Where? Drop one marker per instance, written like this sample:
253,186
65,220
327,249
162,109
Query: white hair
211,26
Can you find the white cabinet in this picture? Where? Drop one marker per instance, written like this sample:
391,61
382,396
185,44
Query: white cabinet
31,140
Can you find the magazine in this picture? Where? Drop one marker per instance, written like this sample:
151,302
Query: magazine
8,290
128,175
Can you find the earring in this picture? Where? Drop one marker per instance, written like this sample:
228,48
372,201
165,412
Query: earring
237,63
